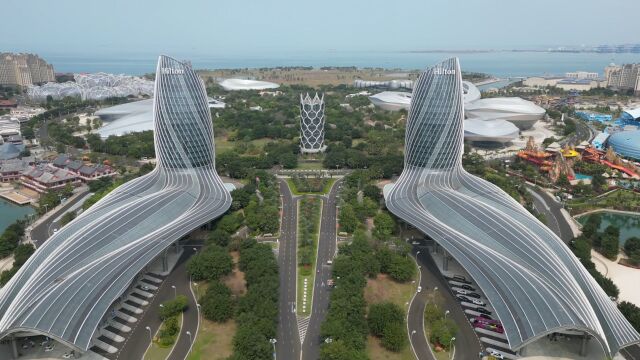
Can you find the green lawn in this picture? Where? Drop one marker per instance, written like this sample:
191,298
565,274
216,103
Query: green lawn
624,200
310,165
325,190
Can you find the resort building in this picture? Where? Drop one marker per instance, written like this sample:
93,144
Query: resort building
24,70
312,124
530,279
86,172
76,283
623,77
43,178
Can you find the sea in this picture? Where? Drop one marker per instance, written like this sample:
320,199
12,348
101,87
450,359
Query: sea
502,64
9,213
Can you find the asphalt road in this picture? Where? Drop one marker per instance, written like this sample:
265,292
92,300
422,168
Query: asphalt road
321,292
551,209
41,232
467,345
288,345
137,342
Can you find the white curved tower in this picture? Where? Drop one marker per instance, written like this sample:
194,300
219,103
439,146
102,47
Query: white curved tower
312,123
79,276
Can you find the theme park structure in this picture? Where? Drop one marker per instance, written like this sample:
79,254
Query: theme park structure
557,161
555,164
612,160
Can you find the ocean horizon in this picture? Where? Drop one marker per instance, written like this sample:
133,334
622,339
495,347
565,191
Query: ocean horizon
499,63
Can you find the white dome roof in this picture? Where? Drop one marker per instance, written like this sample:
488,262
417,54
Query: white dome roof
244,84
490,130
391,100
521,112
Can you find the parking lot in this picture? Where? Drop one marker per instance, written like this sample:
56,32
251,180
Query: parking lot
474,304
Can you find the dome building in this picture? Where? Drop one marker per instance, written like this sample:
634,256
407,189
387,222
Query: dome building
520,112
626,143
500,131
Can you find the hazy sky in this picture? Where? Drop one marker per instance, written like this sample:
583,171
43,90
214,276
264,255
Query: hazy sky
270,26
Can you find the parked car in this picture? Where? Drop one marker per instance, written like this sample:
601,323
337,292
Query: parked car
478,302
462,292
485,316
463,298
493,327
467,287
460,278
473,295
419,288
496,354
482,310
145,287
49,347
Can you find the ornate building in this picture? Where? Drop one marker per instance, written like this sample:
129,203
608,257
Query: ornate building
312,123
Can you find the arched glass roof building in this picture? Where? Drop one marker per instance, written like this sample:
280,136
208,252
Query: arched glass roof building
67,287
626,143
530,277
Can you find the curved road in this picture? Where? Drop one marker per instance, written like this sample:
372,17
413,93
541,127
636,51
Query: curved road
467,345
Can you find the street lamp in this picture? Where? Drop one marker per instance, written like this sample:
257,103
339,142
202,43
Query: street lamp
190,341
450,344
150,336
273,342
445,314
175,291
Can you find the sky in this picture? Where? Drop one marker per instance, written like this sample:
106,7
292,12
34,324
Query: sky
241,27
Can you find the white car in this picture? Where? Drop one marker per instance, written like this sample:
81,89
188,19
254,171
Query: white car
55,231
462,292
49,347
496,354
478,302
67,355
419,288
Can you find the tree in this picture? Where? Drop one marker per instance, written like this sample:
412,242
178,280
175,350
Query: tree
173,307
384,225
219,237
591,227
432,313
217,304
338,350
394,337
383,314
563,181
21,254
212,263
67,218
401,268
442,331
610,242
631,312
632,249
348,219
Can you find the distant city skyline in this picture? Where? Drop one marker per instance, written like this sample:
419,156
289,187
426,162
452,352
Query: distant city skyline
244,27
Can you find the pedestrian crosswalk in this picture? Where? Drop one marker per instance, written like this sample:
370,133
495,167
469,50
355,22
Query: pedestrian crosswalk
303,325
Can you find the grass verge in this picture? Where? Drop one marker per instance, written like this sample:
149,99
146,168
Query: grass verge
157,352
214,341
309,214
325,188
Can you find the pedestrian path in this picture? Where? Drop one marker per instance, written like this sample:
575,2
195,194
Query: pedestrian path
303,325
